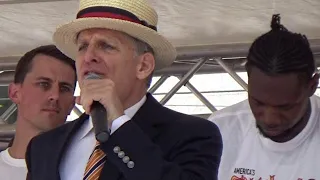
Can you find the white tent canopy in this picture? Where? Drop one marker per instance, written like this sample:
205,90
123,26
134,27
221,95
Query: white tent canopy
24,26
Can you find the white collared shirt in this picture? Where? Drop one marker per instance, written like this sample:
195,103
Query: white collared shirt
75,159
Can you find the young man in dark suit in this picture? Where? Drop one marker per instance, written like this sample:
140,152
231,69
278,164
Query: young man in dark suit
117,40
43,90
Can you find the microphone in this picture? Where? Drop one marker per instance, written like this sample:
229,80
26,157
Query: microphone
99,116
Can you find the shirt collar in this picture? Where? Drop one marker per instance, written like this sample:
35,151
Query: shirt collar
130,112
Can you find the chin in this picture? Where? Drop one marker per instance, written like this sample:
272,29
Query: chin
269,133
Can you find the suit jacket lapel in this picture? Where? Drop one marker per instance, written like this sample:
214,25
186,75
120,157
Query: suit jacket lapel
150,116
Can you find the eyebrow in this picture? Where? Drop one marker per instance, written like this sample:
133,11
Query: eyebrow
108,39
50,80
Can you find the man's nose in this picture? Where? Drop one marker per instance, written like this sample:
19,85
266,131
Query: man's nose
91,55
271,116
54,93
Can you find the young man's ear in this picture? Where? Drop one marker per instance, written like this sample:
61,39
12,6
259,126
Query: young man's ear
14,92
314,84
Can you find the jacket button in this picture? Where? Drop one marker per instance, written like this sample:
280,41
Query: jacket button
130,164
121,154
126,159
116,149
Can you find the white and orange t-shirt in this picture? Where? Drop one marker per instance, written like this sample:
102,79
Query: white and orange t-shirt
247,155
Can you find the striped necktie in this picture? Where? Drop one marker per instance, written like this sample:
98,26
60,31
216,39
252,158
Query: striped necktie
95,164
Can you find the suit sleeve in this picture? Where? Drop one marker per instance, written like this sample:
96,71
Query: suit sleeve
195,155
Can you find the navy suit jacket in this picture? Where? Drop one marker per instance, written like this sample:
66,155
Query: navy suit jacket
163,144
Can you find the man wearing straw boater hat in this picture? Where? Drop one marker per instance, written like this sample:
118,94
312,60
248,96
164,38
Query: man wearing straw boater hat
117,40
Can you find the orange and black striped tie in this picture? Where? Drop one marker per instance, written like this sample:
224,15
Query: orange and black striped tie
95,164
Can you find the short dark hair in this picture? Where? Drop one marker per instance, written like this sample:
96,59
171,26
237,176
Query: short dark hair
24,65
280,51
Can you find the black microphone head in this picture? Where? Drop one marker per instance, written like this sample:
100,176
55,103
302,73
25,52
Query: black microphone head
99,115
92,75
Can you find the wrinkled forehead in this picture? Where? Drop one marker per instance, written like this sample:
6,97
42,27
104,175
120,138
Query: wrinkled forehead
109,34
51,69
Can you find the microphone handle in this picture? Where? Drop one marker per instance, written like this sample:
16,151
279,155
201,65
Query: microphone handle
99,121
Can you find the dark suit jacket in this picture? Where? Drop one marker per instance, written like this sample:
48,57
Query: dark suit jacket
164,145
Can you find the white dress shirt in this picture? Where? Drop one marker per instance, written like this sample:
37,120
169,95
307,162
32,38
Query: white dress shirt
75,159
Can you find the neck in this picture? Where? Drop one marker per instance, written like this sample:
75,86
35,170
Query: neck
24,133
134,97
296,129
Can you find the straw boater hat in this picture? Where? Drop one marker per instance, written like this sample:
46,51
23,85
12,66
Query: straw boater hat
134,17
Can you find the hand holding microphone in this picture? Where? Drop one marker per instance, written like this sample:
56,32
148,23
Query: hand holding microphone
100,100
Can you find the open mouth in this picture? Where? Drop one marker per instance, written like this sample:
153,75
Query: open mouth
86,73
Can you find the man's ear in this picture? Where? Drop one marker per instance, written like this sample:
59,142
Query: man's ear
145,66
314,84
14,92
